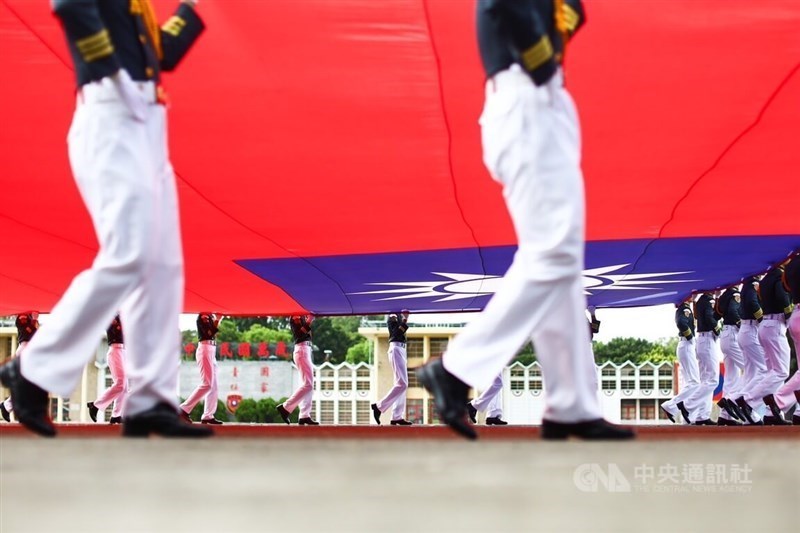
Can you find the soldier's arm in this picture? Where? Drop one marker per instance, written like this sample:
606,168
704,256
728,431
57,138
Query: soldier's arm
573,15
179,33
86,32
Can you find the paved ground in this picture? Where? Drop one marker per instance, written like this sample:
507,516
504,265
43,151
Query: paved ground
245,484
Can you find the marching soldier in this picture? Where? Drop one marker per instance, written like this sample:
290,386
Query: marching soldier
118,154
27,324
728,307
755,368
206,357
789,393
772,334
303,395
116,363
708,358
687,359
490,401
396,397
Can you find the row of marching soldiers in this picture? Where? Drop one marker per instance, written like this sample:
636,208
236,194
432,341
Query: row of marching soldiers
752,339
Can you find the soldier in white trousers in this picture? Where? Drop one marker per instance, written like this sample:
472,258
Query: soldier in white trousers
206,357
772,335
687,360
755,368
27,324
728,306
304,394
708,356
118,153
789,393
396,397
531,146
115,358
491,401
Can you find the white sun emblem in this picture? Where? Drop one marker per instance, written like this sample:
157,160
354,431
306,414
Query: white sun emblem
459,286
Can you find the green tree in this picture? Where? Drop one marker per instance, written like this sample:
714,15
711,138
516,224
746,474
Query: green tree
189,336
228,332
270,322
622,349
261,333
336,334
360,353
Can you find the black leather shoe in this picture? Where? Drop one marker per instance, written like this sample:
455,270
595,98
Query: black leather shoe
495,421
472,412
727,422
591,430
92,411
307,421
669,415
185,416
704,422
376,413
776,421
796,420
738,410
684,412
164,420
401,422
724,403
30,401
115,420
449,395
769,400
747,411
284,413
4,412
213,421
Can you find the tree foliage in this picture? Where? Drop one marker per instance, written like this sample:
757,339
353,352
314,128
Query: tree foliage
360,353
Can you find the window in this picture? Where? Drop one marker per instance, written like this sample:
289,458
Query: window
627,370
647,409
665,384
345,385
326,372
363,412
362,384
535,371
438,346
627,384
665,371
345,412
362,372
609,371
345,373
535,384
326,385
609,385
646,371
415,410
326,412
412,378
646,384
433,417
628,410
517,378
415,348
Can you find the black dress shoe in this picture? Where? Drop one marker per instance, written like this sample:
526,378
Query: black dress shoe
307,421
747,411
738,410
185,416
669,415
284,413
213,421
776,421
93,410
796,420
164,420
727,422
376,413
769,400
495,421
724,403
704,422
449,395
591,430
401,422
4,412
31,402
684,412
115,420
472,412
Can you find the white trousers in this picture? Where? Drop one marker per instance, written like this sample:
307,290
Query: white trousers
785,396
7,403
207,390
303,395
116,392
531,145
733,359
690,373
490,400
396,397
122,169
772,335
699,402
755,367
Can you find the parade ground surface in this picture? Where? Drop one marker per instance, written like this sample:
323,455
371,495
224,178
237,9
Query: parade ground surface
397,479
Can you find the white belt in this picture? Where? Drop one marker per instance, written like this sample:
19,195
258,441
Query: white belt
208,342
751,322
395,343
729,326
775,316
303,343
706,334
116,344
105,90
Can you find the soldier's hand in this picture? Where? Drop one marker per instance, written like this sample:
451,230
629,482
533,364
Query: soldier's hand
130,94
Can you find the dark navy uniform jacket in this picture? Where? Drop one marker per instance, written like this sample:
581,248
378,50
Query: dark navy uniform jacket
114,332
751,303
397,328
728,307
685,323
707,318
26,327
594,327
531,33
774,297
791,278
206,327
301,328
106,35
